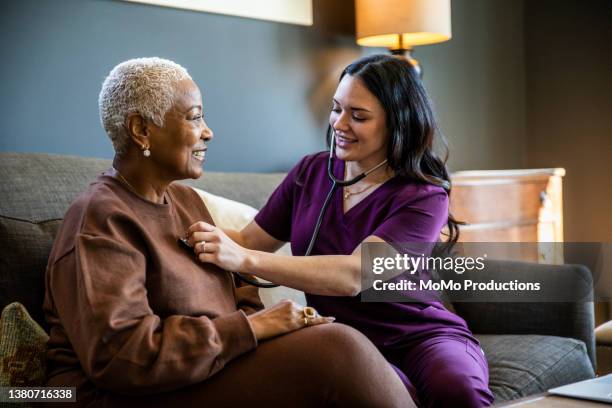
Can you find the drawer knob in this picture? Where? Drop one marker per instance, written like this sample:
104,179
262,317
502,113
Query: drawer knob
544,198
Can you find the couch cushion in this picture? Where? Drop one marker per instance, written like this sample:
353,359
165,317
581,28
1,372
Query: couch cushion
23,344
25,247
521,365
39,187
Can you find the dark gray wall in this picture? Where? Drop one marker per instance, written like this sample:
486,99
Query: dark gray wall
569,107
266,85
477,81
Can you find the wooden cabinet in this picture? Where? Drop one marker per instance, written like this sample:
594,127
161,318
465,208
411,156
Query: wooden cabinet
510,206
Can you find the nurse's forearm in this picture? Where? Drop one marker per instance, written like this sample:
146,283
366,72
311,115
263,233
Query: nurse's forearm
331,275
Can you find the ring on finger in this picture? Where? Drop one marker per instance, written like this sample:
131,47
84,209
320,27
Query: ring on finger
202,246
309,313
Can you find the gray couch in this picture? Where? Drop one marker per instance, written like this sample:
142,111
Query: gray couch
530,347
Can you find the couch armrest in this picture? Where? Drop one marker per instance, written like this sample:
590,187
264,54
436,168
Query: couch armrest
565,319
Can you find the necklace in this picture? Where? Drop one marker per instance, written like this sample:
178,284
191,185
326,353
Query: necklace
125,181
347,194
133,190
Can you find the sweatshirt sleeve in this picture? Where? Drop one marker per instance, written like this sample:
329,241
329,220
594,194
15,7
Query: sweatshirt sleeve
100,296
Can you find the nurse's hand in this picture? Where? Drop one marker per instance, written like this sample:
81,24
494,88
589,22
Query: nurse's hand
211,244
284,317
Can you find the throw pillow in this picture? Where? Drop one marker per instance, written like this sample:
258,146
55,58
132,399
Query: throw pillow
23,345
232,214
227,213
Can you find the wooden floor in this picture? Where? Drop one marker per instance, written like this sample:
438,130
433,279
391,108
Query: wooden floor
550,401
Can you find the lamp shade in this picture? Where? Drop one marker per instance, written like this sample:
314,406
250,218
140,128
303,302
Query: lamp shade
401,24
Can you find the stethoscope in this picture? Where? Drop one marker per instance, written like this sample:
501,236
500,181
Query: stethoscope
336,183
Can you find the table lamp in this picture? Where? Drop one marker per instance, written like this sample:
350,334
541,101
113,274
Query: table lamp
402,24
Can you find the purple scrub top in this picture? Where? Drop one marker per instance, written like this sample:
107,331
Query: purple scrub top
398,211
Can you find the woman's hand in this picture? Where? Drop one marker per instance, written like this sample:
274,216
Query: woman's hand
211,244
284,317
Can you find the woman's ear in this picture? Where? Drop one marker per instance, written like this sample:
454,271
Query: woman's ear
138,130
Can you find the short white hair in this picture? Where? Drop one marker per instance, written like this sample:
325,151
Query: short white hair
142,85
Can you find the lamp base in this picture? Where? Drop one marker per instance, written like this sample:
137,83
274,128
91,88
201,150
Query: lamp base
406,53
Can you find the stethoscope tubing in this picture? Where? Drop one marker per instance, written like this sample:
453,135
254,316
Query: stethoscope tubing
336,182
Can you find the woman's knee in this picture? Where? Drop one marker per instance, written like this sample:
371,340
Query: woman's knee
338,339
320,350
343,348
356,368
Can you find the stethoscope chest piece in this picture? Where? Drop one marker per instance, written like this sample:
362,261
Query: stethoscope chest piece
185,244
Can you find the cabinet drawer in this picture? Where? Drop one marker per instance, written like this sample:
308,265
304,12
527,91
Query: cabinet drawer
510,202
509,205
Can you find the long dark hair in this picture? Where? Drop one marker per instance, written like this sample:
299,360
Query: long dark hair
411,122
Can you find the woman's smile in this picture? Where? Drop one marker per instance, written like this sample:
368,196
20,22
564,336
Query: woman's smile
199,155
345,143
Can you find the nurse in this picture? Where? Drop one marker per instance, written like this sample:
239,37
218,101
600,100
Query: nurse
380,111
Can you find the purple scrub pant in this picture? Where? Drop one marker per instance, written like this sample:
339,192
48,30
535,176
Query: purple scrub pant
443,371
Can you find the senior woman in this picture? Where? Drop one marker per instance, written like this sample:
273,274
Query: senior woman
136,320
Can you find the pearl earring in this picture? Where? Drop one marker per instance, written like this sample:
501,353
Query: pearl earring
146,152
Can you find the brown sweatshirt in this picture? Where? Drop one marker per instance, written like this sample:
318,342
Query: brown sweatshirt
130,309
